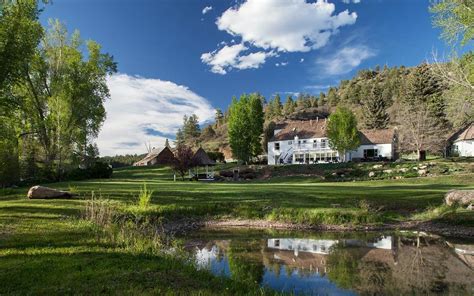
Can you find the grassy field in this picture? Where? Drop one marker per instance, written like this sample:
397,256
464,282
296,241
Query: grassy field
45,248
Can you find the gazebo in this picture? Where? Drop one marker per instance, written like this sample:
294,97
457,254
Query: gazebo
202,161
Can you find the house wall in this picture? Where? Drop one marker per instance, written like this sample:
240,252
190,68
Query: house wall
464,148
287,148
384,150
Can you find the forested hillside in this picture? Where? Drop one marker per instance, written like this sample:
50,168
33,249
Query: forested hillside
416,100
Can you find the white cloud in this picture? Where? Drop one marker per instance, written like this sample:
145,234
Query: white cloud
283,26
349,1
344,60
206,9
228,57
146,110
301,60
293,25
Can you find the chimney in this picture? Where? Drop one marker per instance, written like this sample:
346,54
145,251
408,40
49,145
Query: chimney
311,122
317,118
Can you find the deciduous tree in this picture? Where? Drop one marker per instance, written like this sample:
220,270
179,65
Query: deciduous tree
342,131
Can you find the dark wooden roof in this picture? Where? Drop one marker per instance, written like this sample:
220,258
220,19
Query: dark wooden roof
377,136
201,158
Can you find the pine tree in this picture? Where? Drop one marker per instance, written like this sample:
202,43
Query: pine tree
289,106
332,98
179,138
277,106
374,109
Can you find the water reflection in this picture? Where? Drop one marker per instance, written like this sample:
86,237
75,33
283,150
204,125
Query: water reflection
370,265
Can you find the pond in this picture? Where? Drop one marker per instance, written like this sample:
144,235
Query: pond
402,263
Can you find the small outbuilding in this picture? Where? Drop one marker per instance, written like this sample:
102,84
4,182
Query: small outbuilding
203,166
461,143
162,155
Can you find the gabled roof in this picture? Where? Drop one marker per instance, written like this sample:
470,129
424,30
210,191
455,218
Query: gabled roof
377,136
304,129
152,154
466,133
307,129
201,158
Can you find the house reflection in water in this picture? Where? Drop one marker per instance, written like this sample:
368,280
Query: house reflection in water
409,264
310,254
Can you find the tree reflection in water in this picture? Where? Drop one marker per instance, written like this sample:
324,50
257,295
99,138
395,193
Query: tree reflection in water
374,265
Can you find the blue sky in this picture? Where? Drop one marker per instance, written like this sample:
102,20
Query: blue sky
177,57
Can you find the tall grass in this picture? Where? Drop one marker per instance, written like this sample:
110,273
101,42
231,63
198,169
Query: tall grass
144,197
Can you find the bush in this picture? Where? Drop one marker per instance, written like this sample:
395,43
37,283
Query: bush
226,174
216,156
144,197
99,170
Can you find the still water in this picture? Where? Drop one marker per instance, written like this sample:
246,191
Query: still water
403,263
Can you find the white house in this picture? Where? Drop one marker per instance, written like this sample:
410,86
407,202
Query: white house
462,142
306,142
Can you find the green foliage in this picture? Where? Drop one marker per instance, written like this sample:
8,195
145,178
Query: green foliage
342,131
455,18
289,106
98,170
9,166
144,197
374,109
118,161
245,127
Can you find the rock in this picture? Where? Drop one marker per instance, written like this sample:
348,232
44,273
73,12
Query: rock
461,197
415,168
398,177
403,170
372,174
422,172
40,192
399,160
388,171
377,166
423,167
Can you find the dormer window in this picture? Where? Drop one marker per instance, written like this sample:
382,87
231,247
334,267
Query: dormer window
277,146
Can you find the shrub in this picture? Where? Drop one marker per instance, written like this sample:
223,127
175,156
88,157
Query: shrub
226,174
216,156
99,170
144,197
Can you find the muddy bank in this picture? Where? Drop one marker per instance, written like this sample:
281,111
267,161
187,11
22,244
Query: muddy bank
184,226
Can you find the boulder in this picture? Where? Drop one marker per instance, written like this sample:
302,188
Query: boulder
40,192
388,171
377,166
403,170
461,197
422,172
372,174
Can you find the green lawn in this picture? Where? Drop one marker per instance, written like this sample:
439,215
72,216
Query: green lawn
46,249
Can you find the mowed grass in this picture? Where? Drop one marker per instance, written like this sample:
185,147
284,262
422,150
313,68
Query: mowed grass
46,249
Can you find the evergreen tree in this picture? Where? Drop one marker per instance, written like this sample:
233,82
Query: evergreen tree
219,117
180,140
277,107
374,109
332,98
289,106
191,128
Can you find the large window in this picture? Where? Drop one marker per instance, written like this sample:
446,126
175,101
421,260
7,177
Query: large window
315,143
277,146
371,153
